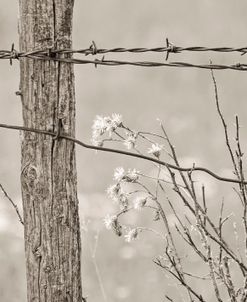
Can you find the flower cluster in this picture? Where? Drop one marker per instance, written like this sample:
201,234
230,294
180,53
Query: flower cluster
132,234
111,223
116,193
131,175
119,174
139,202
102,124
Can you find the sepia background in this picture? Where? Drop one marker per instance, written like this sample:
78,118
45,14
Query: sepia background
182,98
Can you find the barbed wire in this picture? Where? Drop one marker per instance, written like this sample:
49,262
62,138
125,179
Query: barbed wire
118,151
94,50
103,62
55,55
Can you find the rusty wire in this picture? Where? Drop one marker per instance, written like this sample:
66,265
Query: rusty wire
118,151
55,55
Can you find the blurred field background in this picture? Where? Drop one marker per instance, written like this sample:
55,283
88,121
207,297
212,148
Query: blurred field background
182,98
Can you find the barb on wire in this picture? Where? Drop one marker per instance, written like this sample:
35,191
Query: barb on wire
48,54
170,48
94,50
14,54
12,203
137,155
96,62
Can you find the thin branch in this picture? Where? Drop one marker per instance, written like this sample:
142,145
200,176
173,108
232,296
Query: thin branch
152,231
204,205
174,156
12,203
224,124
96,267
133,208
230,286
242,187
169,299
244,292
181,278
220,230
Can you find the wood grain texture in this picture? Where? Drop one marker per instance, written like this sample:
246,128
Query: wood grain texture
48,176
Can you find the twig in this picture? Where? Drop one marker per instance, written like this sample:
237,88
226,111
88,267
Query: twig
204,205
93,255
223,123
230,286
242,187
174,156
220,230
169,299
207,246
12,203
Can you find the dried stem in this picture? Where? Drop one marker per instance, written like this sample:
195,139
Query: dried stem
12,203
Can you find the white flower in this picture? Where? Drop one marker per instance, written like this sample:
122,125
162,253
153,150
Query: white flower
99,126
116,120
113,123
111,223
132,235
130,141
140,202
119,174
116,193
155,150
123,201
113,191
132,175
103,124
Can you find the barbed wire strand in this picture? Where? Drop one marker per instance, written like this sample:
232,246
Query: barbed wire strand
105,149
52,55
94,50
103,62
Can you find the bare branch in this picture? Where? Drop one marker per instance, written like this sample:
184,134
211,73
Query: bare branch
12,203
224,124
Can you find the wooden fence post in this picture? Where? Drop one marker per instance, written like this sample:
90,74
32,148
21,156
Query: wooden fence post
48,176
